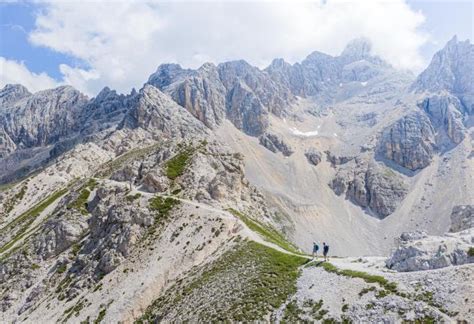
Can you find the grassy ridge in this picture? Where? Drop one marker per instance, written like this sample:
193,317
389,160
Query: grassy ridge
266,232
244,284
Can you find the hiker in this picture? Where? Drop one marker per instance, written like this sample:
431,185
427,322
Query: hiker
315,249
325,251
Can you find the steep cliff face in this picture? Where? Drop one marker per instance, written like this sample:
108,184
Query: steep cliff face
200,91
42,118
409,142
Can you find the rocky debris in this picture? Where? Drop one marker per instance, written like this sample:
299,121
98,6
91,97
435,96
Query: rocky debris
313,156
424,253
409,142
462,218
155,182
446,114
275,144
371,186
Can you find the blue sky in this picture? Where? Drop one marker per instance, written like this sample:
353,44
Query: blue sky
92,44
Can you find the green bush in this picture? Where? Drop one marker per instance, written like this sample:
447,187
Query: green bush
470,252
176,166
162,205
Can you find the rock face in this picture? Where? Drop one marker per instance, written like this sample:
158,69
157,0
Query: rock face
42,118
233,90
446,114
313,156
275,144
432,252
462,218
12,93
371,186
320,71
409,142
200,91
450,69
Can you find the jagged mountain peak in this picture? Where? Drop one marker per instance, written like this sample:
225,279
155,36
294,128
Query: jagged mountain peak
450,69
358,48
13,92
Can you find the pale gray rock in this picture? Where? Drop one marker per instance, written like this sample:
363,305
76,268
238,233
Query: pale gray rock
409,142
450,69
432,252
371,186
462,218
12,93
446,114
200,92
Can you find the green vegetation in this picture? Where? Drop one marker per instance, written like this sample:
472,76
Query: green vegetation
101,315
108,168
384,283
27,218
470,252
176,166
266,232
162,205
134,197
10,204
80,203
366,290
62,268
292,313
244,284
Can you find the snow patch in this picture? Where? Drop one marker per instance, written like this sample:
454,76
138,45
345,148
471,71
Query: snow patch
364,83
297,132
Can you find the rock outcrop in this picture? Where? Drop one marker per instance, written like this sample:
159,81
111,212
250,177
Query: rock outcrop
421,252
410,142
446,115
462,218
313,156
275,144
371,186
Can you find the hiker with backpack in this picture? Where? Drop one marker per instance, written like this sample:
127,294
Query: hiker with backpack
325,251
315,249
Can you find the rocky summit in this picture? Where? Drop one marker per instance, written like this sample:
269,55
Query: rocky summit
198,197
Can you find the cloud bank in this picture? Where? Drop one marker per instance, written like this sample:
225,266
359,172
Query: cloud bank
13,72
122,43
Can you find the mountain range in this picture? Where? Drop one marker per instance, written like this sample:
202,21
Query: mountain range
174,202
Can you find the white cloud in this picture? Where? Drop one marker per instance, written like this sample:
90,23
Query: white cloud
124,42
12,72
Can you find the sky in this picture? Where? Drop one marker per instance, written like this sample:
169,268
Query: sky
93,44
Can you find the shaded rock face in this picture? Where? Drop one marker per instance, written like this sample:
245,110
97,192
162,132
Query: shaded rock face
371,186
42,118
431,252
200,92
233,90
313,156
409,142
462,218
446,114
275,144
